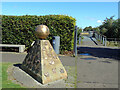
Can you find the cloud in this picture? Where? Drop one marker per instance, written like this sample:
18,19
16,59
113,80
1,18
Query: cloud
99,21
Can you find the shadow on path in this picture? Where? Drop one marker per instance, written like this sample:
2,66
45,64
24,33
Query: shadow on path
100,52
93,40
27,71
17,65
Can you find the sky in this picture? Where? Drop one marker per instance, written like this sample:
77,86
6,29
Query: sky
85,13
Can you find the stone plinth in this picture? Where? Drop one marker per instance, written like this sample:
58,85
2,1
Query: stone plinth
43,64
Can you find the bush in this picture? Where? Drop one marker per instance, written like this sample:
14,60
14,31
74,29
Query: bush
21,29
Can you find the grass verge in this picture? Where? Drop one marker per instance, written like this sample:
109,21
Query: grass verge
112,44
5,82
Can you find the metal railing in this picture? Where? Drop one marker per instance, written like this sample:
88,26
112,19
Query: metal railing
107,41
101,38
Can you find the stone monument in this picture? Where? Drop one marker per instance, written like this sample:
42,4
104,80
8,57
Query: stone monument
41,62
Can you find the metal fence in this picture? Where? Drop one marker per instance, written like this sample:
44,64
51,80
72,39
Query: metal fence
101,38
107,41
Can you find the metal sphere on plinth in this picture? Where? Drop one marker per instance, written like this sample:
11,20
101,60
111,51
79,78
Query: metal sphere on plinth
41,62
42,31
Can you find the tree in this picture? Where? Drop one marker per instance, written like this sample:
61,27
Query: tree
97,30
79,30
118,24
88,28
109,28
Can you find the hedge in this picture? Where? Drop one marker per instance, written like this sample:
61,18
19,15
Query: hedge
21,29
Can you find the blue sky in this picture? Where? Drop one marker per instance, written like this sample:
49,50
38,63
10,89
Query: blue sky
86,13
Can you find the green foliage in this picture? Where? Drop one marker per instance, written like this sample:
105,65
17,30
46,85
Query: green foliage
21,29
103,31
118,35
88,28
97,29
79,30
110,27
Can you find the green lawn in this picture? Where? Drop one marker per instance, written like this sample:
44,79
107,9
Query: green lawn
112,44
5,82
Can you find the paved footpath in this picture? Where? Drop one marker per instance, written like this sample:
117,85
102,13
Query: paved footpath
100,67
88,41
97,72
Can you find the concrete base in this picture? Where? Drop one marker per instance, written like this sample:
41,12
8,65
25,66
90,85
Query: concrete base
22,78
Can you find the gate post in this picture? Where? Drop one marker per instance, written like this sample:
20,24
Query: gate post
99,37
105,41
75,41
79,40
